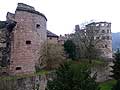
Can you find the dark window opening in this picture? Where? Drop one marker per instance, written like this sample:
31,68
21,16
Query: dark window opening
108,31
37,26
97,38
108,38
50,37
5,73
106,46
28,42
18,68
103,31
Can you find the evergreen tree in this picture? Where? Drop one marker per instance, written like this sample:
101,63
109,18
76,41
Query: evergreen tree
116,66
72,77
116,86
70,49
116,70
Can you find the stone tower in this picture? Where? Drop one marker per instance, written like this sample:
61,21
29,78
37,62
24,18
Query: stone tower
101,32
27,37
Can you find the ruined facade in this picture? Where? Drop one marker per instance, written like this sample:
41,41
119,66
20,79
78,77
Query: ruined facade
27,36
101,33
5,41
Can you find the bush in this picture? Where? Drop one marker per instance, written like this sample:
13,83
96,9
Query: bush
71,76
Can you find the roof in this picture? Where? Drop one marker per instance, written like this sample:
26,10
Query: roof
50,34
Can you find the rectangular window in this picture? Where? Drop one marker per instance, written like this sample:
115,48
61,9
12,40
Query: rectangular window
18,68
28,42
37,25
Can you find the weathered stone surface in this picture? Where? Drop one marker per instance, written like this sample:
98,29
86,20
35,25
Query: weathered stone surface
28,35
24,83
100,32
20,44
102,71
5,42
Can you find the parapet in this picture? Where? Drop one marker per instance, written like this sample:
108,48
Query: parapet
30,9
25,6
108,24
10,16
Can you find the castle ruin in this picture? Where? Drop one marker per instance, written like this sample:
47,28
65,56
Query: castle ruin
22,35
101,33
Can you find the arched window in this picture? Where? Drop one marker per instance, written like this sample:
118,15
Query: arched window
103,31
107,30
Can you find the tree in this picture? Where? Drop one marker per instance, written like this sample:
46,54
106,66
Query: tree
116,66
72,77
70,49
55,55
88,42
116,70
51,56
116,86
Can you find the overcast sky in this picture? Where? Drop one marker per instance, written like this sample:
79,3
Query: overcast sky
63,15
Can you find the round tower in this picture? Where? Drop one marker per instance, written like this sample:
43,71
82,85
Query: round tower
28,35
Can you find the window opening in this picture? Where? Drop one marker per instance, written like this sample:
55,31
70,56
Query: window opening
28,42
18,68
37,26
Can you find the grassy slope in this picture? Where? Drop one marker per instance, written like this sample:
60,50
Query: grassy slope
107,85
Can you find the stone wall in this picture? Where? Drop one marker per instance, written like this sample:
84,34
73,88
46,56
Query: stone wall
53,40
24,83
5,42
28,35
102,71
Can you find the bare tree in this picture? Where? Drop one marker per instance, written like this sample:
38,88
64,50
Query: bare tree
51,56
87,42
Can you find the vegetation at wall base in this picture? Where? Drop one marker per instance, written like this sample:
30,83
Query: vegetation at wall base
116,66
116,86
71,76
107,85
70,49
116,70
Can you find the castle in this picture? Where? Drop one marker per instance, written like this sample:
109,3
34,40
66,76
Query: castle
100,32
22,34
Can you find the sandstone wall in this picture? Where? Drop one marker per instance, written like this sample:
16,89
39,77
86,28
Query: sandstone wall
28,35
26,83
103,72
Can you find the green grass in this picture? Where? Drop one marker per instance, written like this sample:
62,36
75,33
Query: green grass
107,85
42,72
95,62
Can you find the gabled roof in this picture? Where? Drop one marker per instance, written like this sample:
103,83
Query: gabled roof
50,34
